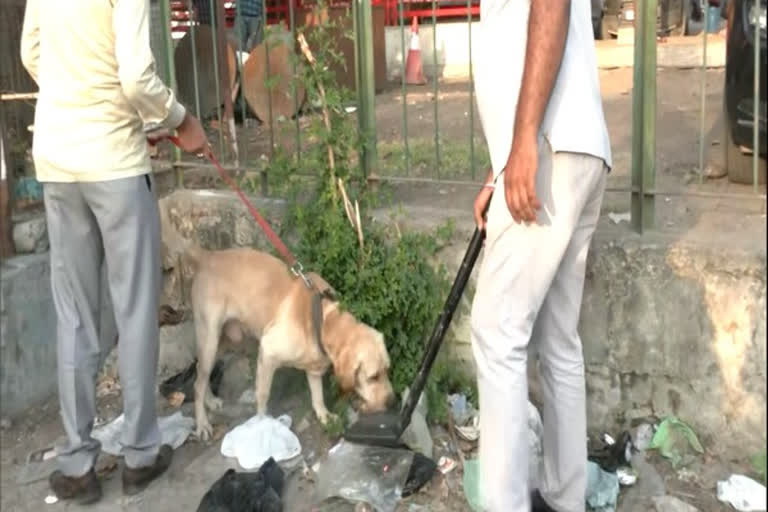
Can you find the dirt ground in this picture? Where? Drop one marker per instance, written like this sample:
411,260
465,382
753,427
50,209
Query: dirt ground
197,466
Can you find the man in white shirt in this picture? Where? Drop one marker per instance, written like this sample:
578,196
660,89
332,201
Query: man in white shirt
539,100
98,92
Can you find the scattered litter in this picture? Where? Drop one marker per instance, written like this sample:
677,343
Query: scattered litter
51,499
627,476
618,218
602,489
246,492
356,473
422,470
40,464
643,434
260,438
174,431
184,382
676,441
446,465
5,423
350,110
461,410
417,436
469,432
471,484
613,454
743,493
672,504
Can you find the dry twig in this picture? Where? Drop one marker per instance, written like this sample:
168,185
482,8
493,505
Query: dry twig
324,107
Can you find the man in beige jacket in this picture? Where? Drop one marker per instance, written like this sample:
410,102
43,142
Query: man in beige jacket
98,94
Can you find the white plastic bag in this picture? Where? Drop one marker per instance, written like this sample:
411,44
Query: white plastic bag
260,438
743,493
174,430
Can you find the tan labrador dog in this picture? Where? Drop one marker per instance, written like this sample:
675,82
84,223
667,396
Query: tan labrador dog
240,290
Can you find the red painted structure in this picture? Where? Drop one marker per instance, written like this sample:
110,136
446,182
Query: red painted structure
278,11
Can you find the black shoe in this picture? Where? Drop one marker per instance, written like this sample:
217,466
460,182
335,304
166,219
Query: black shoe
84,490
136,480
538,504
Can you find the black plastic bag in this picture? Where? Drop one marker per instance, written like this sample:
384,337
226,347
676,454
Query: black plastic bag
422,470
246,492
184,382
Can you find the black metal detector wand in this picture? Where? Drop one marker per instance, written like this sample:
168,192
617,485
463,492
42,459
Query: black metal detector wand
385,428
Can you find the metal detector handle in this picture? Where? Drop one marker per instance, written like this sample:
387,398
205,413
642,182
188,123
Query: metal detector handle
462,276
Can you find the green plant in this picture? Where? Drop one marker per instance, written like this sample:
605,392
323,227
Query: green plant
388,281
759,464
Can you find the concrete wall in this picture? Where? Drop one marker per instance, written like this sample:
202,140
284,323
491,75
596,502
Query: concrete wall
671,323
27,330
452,44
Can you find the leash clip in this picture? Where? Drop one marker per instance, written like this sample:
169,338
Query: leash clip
298,270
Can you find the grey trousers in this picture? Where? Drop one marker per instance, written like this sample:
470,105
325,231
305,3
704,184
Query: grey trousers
527,300
116,224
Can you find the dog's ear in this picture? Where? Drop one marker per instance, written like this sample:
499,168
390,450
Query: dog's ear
345,369
323,287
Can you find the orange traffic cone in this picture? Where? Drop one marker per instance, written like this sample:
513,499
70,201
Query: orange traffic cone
414,71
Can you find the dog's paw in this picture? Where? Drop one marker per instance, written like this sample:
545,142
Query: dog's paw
327,418
204,431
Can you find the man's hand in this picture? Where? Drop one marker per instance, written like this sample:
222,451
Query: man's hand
547,32
520,180
482,201
191,136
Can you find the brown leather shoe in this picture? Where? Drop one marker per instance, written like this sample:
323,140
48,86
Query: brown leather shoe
136,480
84,490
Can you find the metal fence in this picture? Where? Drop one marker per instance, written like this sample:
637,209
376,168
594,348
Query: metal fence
418,133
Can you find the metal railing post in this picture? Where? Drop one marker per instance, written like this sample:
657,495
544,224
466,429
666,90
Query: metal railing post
643,203
756,103
367,92
703,113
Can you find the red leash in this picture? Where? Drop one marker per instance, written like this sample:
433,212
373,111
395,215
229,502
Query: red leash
287,255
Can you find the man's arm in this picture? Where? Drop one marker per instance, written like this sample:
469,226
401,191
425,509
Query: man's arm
155,103
30,38
548,22
547,31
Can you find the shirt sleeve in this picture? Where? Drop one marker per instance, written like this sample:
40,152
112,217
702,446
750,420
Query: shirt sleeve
30,38
155,103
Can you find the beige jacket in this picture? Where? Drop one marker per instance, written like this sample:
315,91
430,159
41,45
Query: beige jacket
98,87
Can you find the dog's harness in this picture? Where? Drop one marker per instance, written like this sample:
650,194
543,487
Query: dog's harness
295,266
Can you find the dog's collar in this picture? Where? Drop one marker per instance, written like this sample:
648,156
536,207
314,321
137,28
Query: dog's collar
317,317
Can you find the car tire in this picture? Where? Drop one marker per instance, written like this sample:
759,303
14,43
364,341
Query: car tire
737,164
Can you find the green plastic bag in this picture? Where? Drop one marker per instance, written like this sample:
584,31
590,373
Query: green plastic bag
676,441
471,484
